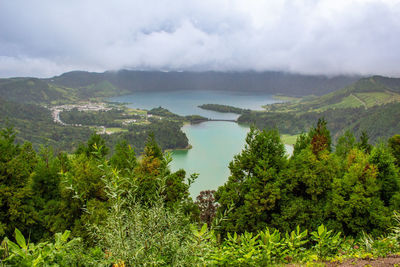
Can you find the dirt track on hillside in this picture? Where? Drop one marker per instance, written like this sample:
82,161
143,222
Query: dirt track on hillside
379,262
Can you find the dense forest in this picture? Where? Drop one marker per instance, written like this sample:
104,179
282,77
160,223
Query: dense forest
109,118
168,135
93,208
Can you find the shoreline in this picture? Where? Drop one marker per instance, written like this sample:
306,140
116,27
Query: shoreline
189,146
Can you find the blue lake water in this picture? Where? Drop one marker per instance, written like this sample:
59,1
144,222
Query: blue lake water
187,102
215,142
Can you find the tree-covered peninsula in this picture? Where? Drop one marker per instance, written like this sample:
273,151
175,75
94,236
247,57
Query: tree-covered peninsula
223,108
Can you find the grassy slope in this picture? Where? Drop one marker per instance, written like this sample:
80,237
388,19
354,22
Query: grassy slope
289,139
366,92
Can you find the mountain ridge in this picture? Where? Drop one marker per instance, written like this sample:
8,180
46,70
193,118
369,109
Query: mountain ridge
273,82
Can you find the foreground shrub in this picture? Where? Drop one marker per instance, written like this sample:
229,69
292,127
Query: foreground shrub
269,247
138,233
60,253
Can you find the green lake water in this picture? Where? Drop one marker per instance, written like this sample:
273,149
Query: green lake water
214,143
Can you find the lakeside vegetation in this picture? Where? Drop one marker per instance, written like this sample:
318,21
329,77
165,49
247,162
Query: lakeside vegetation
118,209
286,98
36,125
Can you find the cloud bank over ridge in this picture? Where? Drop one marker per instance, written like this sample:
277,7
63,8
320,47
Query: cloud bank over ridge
45,38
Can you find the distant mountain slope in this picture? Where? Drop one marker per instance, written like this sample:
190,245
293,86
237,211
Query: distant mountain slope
366,92
391,83
44,91
80,85
32,90
371,104
270,82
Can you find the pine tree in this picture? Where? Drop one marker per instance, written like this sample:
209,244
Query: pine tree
16,166
253,186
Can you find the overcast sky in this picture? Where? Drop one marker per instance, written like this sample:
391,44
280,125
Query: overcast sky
47,37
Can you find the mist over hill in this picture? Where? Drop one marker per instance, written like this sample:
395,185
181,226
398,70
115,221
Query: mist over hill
266,82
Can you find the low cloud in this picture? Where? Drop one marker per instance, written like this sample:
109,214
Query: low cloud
46,38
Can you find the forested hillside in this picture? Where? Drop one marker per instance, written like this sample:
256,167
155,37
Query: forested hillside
33,123
44,91
34,91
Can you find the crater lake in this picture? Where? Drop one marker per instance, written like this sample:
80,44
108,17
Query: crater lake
214,143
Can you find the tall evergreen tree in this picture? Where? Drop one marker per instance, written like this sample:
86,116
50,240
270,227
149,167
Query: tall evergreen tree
356,203
345,143
320,137
363,144
387,176
124,158
394,144
253,185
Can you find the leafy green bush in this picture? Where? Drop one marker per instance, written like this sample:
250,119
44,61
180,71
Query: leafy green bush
326,242
271,247
60,253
